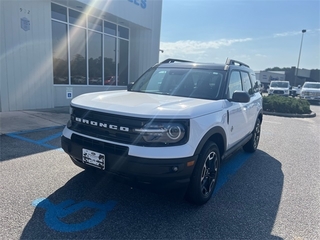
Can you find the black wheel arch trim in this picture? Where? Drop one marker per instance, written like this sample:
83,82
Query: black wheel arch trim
215,130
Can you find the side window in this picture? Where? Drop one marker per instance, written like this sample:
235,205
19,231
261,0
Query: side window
234,83
256,84
246,83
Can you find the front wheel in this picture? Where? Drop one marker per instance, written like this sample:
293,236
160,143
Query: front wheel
252,145
205,175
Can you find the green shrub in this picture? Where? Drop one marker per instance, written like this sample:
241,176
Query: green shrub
282,104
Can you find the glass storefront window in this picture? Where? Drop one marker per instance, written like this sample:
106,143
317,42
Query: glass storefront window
110,28
78,55
58,12
109,60
87,50
123,32
95,23
77,18
95,58
123,62
60,53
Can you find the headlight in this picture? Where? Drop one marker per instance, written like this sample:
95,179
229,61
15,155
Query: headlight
165,133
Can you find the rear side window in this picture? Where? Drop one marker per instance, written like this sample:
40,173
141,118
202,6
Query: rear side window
246,83
234,83
255,83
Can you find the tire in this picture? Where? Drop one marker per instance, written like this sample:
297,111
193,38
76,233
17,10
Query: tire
205,175
253,143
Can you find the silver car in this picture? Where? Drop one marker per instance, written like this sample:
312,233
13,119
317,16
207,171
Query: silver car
311,91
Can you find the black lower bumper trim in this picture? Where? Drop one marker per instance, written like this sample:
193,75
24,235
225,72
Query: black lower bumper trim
118,162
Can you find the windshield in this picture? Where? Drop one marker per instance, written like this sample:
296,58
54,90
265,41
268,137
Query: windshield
312,85
195,83
279,84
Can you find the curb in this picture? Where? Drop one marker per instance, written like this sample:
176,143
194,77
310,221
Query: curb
293,115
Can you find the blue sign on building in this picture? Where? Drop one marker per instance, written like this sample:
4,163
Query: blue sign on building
25,24
141,3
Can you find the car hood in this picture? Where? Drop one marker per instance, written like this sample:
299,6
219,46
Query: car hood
279,88
146,105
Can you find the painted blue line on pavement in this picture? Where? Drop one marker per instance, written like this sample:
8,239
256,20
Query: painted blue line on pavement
36,130
31,141
49,138
229,168
41,142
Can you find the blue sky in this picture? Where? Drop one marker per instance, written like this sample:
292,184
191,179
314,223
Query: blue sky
261,33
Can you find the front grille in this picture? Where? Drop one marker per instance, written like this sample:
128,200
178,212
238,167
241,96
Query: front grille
107,126
101,146
118,128
278,92
312,94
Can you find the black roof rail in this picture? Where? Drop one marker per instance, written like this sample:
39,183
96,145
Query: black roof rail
171,60
233,62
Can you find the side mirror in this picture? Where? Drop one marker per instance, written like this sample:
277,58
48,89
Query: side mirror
290,88
240,96
129,86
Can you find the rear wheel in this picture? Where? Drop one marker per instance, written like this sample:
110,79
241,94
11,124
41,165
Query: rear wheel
252,145
205,175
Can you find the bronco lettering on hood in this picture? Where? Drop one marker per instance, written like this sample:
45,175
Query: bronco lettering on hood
101,124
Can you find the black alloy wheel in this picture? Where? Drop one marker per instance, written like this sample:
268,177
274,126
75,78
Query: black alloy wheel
253,143
205,175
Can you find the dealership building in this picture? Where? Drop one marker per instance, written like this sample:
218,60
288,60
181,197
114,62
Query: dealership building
53,51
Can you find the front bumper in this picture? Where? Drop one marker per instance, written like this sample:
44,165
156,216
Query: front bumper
279,94
310,98
174,172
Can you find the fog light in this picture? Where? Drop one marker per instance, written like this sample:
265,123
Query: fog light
175,169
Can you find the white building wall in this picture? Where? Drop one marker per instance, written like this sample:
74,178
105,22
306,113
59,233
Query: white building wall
303,73
26,56
268,76
26,62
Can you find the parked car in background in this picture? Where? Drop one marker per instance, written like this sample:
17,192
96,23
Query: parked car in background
311,91
110,81
279,88
295,91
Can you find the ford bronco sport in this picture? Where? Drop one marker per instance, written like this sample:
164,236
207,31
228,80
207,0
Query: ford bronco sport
172,125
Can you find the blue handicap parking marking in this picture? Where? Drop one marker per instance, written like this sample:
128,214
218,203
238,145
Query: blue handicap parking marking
42,142
229,168
55,213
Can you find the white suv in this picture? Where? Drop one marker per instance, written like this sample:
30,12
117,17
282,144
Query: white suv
311,91
171,126
279,88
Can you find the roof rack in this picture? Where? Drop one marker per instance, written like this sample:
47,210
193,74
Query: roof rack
171,60
234,62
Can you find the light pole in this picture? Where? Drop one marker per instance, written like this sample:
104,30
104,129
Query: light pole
296,72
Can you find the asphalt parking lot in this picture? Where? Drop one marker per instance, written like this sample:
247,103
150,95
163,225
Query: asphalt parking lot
271,194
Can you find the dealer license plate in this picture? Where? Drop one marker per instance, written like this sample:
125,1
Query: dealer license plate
93,158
